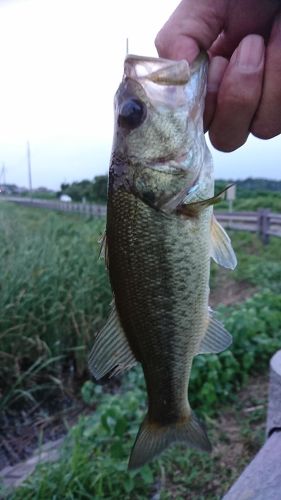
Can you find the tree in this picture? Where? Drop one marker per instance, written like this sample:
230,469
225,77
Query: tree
93,191
100,188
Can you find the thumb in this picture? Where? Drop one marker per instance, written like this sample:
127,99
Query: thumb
194,25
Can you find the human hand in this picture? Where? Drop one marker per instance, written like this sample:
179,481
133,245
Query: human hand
243,39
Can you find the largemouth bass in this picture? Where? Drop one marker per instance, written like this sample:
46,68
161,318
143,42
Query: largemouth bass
160,235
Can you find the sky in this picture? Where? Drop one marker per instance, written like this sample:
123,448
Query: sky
61,62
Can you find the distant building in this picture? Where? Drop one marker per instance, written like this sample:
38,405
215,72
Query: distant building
65,197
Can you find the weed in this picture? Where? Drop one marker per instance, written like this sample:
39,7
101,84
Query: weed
94,461
54,296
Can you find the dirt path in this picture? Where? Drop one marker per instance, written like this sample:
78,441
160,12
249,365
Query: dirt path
237,434
13,476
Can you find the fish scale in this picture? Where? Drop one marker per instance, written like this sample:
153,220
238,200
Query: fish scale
164,320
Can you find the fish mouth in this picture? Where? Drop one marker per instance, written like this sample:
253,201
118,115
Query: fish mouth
166,80
157,70
162,71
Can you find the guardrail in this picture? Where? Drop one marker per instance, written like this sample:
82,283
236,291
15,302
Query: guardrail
263,222
90,209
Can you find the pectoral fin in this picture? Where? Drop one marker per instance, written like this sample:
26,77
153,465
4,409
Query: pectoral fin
216,339
221,248
111,349
193,209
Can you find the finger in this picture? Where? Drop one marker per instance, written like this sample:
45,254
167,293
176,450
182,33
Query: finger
267,122
242,18
238,95
194,24
217,68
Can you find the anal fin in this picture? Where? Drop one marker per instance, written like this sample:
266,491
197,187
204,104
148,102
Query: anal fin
216,339
111,349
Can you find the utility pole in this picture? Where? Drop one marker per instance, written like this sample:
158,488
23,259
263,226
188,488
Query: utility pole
29,170
4,174
3,179
127,46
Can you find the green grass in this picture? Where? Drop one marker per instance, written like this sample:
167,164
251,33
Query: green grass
251,198
258,264
272,202
54,296
93,463
55,292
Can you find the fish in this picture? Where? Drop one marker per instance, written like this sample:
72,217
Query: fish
160,235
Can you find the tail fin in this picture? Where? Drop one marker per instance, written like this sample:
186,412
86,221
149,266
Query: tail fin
153,438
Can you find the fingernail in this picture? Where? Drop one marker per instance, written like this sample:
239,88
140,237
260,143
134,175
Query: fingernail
250,53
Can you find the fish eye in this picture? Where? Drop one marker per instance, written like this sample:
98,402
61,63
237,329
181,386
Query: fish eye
132,114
